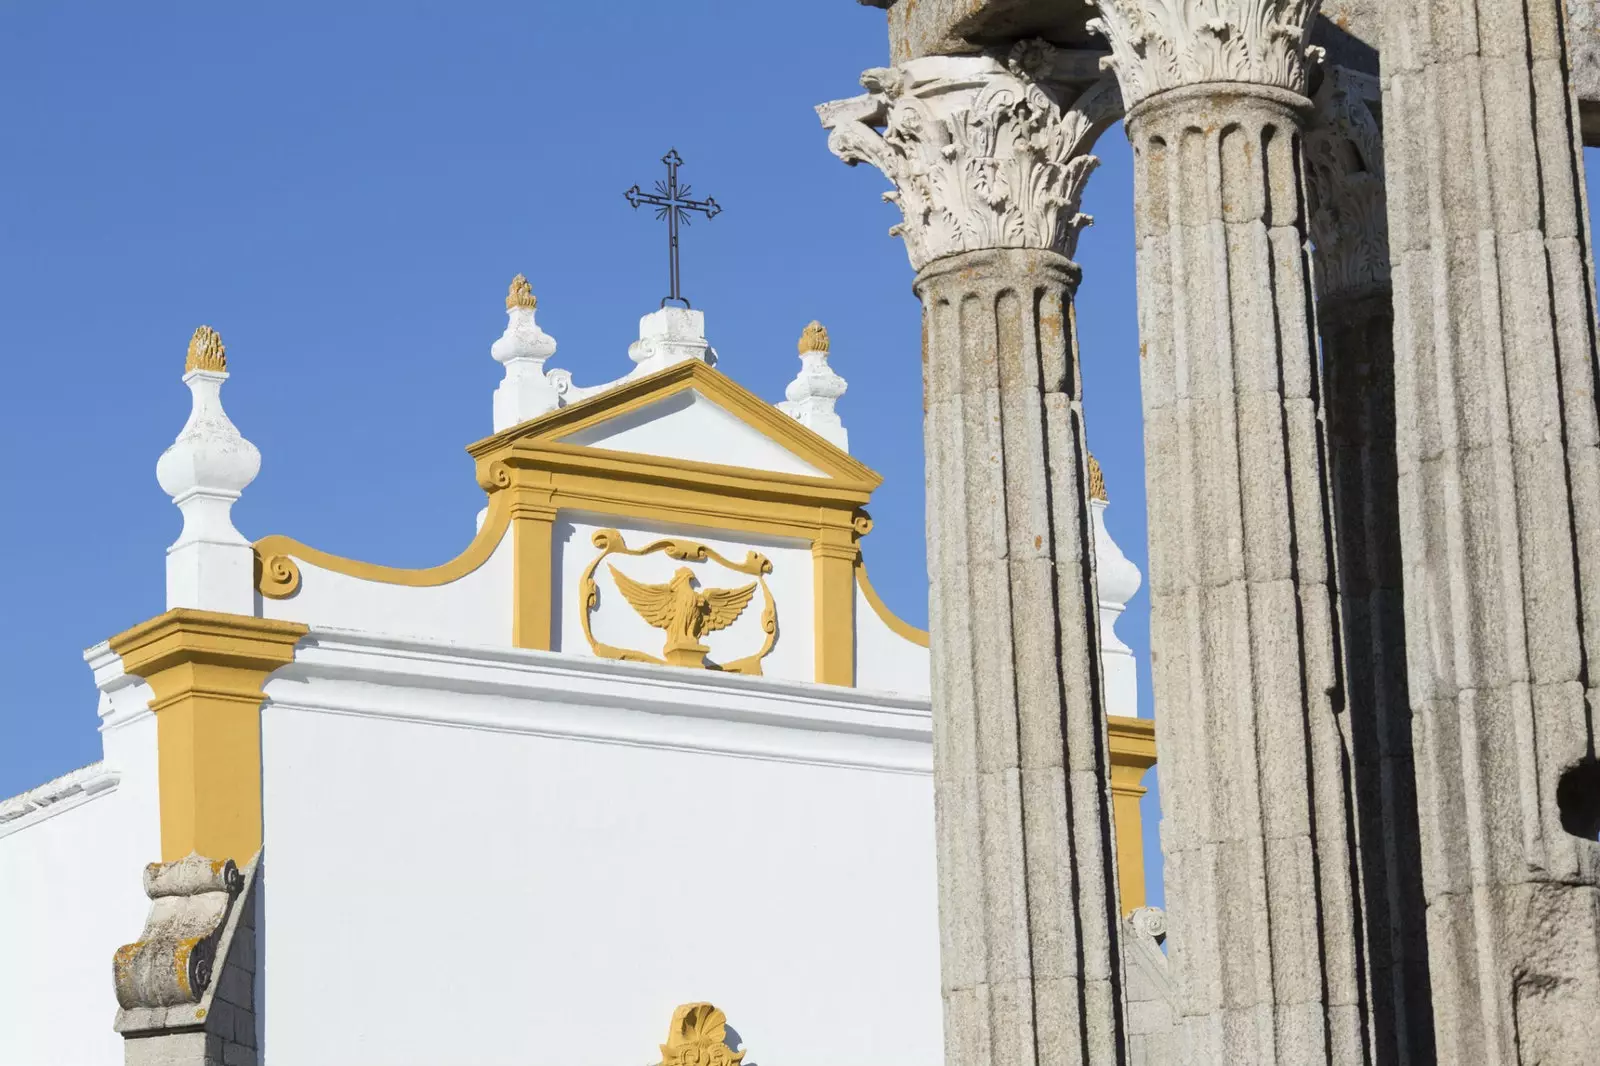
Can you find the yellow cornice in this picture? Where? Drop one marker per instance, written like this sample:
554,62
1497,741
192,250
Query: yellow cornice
278,577
1133,752
714,386
206,671
897,624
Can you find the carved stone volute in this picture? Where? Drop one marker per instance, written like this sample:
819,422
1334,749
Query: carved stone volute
983,152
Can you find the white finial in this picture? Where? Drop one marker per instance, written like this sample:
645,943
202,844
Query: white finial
1118,581
526,391
211,566
813,393
667,337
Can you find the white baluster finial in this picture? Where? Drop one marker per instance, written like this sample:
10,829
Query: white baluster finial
211,566
526,391
1118,579
812,395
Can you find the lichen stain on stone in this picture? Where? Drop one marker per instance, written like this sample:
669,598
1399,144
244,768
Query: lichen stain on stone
1038,542
180,962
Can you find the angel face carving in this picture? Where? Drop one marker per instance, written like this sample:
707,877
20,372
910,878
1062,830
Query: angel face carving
685,612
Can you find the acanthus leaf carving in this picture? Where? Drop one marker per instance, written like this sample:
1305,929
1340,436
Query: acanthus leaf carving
982,153
1165,44
1345,185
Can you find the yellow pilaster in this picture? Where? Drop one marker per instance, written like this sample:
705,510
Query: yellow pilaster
207,670
833,564
1133,751
533,519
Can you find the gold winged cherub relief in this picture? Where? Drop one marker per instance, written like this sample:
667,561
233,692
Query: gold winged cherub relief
685,612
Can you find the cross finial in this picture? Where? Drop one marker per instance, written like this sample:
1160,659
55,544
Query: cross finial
673,204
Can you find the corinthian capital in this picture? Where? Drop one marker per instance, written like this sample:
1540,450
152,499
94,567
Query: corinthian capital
1345,183
983,153
1164,44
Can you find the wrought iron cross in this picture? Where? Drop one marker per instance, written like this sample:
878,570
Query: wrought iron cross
673,204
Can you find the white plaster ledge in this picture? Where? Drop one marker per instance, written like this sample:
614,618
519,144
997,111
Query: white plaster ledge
56,797
599,700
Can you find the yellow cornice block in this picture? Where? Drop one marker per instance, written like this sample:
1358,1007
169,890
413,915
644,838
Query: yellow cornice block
207,671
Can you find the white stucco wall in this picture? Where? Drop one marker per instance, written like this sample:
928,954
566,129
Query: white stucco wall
615,621
886,661
687,425
71,893
476,609
514,857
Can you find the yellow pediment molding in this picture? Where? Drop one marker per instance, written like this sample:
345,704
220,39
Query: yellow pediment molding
691,375
531,474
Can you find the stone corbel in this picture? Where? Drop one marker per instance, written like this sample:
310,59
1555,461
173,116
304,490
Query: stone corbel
185,987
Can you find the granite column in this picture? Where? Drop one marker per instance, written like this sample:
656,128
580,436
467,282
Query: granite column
988,160
1256,778
1344,156
1499,501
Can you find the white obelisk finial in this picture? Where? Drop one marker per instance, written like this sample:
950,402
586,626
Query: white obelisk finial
812,395
211,566
526,391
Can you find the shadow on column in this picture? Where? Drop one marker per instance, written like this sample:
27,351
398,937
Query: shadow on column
1358,366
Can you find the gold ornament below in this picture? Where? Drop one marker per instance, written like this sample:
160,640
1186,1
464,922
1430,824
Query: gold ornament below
1097,481
699,1037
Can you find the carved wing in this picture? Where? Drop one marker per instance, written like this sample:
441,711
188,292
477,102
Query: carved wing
724,606
653,602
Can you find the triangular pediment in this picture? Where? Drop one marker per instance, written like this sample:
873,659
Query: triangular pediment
693,414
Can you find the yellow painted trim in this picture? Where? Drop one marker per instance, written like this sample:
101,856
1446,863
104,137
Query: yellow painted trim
715,386
1133,751
207,671
277,576
899,625
833,563
531,476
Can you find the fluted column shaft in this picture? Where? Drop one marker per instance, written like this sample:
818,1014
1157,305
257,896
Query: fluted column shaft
1344,157
1027,876
1499,500
988,161
1358,356
1255,775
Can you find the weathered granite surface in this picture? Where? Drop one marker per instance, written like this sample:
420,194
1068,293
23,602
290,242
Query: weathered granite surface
1029,918
1246,658
1498,451
1349,227
186,988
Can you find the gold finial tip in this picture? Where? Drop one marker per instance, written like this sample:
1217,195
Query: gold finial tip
814,339
521,294
1097,482
206,352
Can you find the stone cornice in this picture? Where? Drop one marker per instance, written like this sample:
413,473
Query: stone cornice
1345,182
1158,45
983,152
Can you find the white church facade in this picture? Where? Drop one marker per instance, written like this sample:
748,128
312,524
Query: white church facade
650,743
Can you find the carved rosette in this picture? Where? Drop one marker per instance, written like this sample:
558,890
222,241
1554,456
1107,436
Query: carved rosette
1166,44
1345,182
983,153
